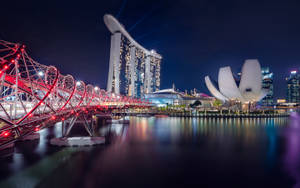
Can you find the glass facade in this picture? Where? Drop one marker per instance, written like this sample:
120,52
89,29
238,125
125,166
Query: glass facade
139,71
133,70
124,65
267,84
293,95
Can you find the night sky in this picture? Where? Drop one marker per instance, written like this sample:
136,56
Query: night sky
195,38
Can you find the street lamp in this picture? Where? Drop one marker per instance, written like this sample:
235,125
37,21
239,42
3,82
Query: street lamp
40,73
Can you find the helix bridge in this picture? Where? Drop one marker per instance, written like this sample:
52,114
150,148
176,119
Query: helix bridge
34,96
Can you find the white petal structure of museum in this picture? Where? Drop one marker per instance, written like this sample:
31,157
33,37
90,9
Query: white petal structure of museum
250,86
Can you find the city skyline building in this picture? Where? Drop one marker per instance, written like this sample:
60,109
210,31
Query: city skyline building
267,84
133,70
293,86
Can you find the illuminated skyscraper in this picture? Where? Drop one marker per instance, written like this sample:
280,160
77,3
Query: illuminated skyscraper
293,93
267,84
133,70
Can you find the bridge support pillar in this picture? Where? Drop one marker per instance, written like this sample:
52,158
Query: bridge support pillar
88,123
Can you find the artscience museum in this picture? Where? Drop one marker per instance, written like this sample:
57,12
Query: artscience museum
246,89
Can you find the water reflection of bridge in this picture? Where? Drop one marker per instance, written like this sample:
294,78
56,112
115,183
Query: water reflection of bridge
47,158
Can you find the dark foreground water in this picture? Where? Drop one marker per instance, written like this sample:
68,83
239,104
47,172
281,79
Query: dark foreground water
165,152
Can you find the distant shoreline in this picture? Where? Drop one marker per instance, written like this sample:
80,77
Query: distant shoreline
210,115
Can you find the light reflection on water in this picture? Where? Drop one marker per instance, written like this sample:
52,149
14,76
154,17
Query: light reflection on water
27,153
292,150
177,128
259,151
257,142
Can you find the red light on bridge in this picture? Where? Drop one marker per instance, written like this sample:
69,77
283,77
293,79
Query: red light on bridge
30,115
6,67
23,46
37,129
5,134
53,117
12,61
63,119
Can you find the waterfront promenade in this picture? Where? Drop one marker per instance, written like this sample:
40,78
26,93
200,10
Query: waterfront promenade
201,114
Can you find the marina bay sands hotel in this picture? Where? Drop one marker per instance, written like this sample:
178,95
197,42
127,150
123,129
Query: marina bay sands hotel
133,70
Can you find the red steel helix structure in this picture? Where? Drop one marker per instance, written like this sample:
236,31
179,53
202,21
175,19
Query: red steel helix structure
32,95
